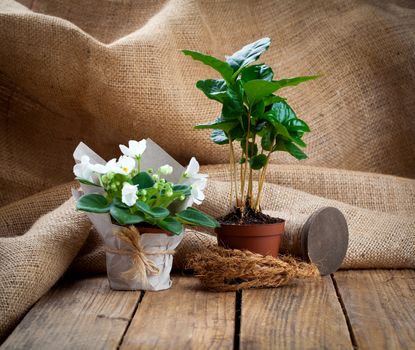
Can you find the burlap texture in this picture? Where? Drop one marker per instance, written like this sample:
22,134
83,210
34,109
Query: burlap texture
106,72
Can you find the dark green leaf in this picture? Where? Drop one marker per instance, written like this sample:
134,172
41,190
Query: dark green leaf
298,141
269,100
219,137
297,125
86,182
257,71
258,161
156,212
256,90
283,112
159,212
267,139
279,128
258,109
291,148
192,216
117,202
252,148
219,123
94,203
236,133
233,107
248,54
293,81
171,225
124,217
222,67
215,89
143,180
181,188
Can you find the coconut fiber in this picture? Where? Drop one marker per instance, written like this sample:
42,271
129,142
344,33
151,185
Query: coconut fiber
105,72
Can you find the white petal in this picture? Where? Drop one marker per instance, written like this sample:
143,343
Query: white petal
193,167
141,147
125,150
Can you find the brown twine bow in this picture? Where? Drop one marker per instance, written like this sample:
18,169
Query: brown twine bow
142,266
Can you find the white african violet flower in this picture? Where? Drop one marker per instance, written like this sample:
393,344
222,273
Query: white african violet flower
129,194
135,149
192,171
84,169
125,165
165,170
196,180
197,196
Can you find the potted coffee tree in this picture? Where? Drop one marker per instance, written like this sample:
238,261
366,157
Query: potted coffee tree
258,122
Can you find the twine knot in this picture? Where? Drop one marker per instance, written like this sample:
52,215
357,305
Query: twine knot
142,266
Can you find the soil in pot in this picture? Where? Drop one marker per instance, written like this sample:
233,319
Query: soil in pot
250,230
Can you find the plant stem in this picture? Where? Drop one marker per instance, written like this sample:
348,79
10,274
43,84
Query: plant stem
231,160
250,181
246,155
234,173
262,179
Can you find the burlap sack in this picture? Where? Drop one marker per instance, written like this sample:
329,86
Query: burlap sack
107,72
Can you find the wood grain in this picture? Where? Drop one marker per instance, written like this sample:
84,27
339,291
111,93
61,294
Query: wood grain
82,314
303,316
183,317
380,305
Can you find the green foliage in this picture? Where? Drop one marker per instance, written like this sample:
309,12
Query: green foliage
251,109
94,203
192,216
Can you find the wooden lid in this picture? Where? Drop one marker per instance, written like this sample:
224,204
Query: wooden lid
325,238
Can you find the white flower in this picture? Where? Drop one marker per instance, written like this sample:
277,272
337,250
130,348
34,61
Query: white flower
192,171
165,170
196,181
84,169
129,194
135,149
197,196
103,169
125,165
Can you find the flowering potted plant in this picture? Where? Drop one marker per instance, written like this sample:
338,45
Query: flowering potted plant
140,213
261,123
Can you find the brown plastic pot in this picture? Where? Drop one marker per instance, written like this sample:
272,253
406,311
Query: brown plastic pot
263,239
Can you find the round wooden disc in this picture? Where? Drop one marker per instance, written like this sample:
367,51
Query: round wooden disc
325,238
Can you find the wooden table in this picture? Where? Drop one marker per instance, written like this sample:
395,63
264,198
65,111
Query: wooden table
365,309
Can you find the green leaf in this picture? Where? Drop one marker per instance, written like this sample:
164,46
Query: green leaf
222,67
248,54
258,109
181,189
86,182
171,225
297,125
215,89
267,139
124,216
117,202
257,89
293,81
252,148
192,216
233,106
269,100
257,71
157,212
93,203
219,137
298,141
287,146
279,128
236,133
258,161
143,180
283,112
219,123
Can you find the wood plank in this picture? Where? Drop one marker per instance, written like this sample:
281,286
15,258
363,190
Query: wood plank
183,317
307,315
380,305
82,314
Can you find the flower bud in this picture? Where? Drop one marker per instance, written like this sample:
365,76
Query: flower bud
182,197
169,193
165,169
155,177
